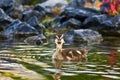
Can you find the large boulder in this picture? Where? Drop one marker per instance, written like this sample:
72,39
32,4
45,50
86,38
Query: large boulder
76,3
103,23
95,20
19,28
37,39
69,24
7,5
30,13
4,19
50,5
33,21
82,36
112,23
78,13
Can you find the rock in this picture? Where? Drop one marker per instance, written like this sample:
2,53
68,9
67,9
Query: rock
103,22
17,11
95,20
82,36
76,3
37,40
19,28
69,24
4,19
30,13
33,21
50,5
80,14
7,5
60,19
112,23
72,23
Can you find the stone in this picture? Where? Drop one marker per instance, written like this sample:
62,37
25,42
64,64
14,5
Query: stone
30,13
81,36
17,27
95,20
33,21
7,5
80,14
49,6
4,19
36,40
69,24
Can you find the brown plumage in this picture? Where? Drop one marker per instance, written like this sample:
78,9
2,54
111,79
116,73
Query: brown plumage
68,54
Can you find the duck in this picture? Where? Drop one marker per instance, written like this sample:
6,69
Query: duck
68,54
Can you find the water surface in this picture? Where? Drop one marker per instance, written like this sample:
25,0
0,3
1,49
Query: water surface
20,61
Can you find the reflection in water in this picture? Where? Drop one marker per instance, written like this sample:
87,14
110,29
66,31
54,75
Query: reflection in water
57,76
58,66
112,57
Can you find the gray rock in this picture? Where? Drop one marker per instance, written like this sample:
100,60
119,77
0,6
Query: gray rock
76,3
38,39
95,20
30,13
7,5
17,27
112,23
33,21
69,24
82,36
49,5
103,22
80,14
4,19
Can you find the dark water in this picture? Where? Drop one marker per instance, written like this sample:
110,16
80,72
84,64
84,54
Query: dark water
20,61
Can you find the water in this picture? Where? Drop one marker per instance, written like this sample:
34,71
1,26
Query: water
20,61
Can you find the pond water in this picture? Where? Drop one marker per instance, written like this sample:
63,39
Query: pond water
20,61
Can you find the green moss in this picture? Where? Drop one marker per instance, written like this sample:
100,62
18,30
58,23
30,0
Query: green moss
68,0
15,77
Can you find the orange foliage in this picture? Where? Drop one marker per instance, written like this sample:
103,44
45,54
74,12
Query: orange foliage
113,7
95,5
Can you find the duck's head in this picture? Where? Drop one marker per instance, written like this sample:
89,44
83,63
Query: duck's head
59,40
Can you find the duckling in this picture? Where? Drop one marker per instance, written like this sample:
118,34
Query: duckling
68,54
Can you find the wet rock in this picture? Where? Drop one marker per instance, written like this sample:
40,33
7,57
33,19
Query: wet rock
95,20
4,19
17,27
33,21
7,5
82,36
37,40
76,3
69,24
80,14
49,6
72,23
30,13
112,23
60,19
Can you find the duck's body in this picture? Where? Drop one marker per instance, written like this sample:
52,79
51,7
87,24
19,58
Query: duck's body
68,54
